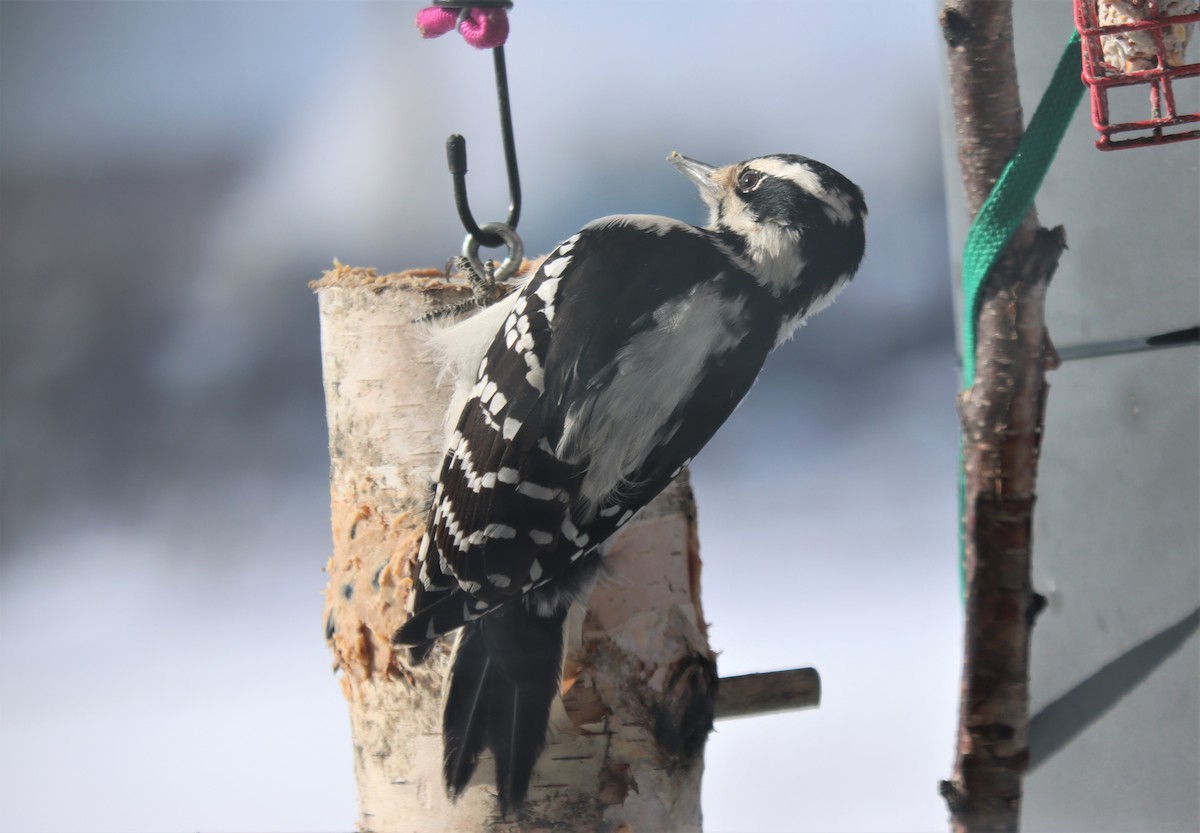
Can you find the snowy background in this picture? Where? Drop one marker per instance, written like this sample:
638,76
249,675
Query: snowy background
171,177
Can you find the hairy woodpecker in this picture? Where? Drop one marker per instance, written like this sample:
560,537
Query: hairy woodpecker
582,395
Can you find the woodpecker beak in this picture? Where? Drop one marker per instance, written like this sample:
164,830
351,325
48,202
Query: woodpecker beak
698,173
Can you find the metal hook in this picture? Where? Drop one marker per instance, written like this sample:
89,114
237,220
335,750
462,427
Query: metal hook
456,146
509,238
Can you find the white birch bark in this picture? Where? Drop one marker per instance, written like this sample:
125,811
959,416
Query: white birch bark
627,753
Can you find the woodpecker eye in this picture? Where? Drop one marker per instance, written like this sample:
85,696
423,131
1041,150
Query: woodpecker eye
748,180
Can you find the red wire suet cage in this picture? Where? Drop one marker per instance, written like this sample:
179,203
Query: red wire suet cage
1135,51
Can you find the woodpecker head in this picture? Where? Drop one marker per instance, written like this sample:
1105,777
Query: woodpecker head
798,222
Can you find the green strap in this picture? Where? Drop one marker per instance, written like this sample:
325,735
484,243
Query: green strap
1013,193
1003,212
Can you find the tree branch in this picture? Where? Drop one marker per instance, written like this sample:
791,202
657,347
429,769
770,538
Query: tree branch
767,693
1002,417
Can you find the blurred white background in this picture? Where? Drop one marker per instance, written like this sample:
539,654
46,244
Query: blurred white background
171,177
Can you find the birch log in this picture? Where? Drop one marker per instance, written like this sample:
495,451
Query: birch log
627,754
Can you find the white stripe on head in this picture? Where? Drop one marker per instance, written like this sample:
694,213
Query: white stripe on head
837,204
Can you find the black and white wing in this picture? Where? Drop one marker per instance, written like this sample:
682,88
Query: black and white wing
621,357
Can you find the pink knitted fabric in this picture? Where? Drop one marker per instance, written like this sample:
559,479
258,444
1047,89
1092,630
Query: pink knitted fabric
481,28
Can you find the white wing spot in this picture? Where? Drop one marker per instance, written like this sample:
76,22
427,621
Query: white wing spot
511,427
463,449
682,466
555,268
540,537
548,292
535,570
489,390
499,580
537,492
466,464
491,423
578,538
426,581
536,379
507,475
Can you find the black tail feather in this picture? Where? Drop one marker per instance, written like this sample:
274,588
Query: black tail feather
507,672
465,716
